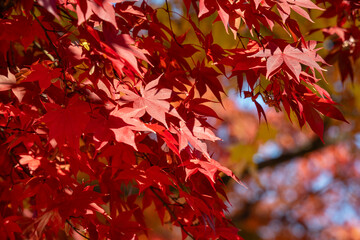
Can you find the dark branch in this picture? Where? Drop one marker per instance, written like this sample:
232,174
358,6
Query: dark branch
316,144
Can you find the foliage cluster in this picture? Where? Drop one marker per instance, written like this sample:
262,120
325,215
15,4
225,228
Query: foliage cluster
104,109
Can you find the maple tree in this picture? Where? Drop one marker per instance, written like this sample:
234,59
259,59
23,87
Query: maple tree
105,113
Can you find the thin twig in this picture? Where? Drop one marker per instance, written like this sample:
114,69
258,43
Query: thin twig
47,36
55,50
76,230
166,205
259,36
172,31
15,129
67,14
240,40
171,212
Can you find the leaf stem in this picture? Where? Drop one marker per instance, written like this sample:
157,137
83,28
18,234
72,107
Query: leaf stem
239,36
259,37
76,230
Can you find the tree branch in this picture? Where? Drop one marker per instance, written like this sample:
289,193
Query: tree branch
316,144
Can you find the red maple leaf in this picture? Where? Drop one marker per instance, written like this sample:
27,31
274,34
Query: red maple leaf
105,11
42,74
314,119
152,101
121,49
67,124
186,136
166,136
208,167
32,162
122,123
125,132
7,81
49,5
291,57
204,133
285,6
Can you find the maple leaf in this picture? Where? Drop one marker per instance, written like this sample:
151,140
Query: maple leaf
204,133
207,7
208,167
202,8
133,124
206,76
340,32
104,11
224,16
195,105
32,162
6,82
119,118
80,199
125,228
67,124
121,49
186,136
285,6
152,101
158,177
326,107
50,6
10,227
291,57
44,75
257,3
197,205
314,120
122,156
166,136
